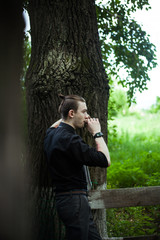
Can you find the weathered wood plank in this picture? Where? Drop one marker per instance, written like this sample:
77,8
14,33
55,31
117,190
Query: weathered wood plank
125,197
151,237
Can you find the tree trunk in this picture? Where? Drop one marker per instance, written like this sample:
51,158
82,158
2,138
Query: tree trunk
66,58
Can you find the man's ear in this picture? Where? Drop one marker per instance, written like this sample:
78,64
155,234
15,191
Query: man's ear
71,113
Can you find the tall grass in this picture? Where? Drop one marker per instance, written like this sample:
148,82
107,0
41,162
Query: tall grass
135,134
135,155
139,123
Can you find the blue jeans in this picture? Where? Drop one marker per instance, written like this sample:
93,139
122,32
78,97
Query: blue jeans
75,213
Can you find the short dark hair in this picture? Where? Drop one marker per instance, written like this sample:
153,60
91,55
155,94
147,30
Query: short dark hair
69,102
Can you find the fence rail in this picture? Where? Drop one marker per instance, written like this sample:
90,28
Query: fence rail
152,237
125,197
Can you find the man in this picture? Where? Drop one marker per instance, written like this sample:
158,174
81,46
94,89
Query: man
67,156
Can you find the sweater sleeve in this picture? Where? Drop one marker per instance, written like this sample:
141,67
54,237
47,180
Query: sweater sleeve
85,154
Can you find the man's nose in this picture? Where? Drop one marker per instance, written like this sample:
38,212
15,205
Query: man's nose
87,116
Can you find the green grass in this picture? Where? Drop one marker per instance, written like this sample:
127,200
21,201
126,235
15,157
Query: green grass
135,155
135,134
139,123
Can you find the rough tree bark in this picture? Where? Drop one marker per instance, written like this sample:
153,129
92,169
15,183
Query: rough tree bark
66,58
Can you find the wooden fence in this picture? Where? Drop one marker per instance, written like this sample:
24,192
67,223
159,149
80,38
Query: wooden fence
126,197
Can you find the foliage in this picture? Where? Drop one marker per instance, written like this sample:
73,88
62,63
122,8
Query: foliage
135,155
133,221
26,60
135,152
117,103
155,108
26,56
124,44
131,173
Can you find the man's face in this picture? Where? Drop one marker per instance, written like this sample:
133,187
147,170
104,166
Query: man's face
81,116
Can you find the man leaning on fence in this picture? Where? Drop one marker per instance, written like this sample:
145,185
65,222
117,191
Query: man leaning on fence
68,157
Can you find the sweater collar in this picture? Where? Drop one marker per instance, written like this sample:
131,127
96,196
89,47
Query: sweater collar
67,127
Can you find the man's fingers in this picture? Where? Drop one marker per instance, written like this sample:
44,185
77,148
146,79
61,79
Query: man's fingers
95,119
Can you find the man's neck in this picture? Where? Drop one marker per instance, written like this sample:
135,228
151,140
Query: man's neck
69,123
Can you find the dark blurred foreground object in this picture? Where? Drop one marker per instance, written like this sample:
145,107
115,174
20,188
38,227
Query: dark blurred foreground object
13,224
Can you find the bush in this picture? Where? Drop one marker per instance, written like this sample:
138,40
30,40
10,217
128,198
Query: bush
135,173
133,221
155,108
126,174
117,103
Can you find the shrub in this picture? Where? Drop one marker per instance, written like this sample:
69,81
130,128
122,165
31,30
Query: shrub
133,221
126,174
